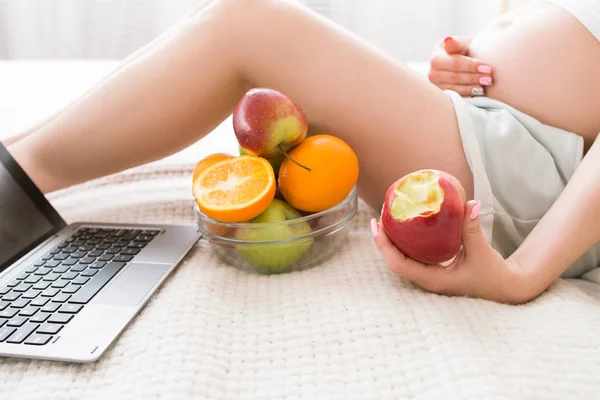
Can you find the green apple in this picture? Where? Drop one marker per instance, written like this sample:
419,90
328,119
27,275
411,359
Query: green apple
275,258
275,161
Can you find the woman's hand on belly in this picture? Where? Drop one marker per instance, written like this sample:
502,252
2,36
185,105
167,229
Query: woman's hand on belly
453,69
477,271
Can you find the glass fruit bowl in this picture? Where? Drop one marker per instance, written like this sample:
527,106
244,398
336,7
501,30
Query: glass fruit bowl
285,246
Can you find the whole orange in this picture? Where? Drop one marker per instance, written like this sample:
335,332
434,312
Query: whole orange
207,162
333,173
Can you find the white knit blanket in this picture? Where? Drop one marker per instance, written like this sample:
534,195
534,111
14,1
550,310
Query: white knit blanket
346,330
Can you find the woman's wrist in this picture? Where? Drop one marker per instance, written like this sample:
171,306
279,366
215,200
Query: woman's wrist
527,284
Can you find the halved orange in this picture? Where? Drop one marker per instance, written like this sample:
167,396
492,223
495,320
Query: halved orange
207,162
235,189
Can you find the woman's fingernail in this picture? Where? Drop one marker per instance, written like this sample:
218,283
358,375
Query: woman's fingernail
374,227
448,38
477,91
485,81
475,210
484,69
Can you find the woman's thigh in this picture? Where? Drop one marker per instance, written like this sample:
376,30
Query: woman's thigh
396,120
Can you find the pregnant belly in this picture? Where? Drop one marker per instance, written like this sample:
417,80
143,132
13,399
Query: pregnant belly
546,65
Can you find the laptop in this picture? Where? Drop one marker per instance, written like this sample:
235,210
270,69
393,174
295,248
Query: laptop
67,291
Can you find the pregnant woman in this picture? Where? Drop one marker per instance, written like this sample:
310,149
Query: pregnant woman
516,125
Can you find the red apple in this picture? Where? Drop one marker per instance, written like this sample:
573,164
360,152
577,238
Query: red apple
423,215
267,123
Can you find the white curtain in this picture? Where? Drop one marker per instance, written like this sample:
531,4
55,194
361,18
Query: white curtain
111,29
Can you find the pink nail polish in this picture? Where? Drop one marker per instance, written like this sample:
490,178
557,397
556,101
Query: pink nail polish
484,69
485,81
475,210
448,38
374,227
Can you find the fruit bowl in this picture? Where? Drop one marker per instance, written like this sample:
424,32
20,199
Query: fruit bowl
300,243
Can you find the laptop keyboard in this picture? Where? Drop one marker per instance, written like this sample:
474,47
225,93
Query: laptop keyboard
40,301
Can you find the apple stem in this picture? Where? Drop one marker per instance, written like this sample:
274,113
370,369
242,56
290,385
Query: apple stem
291,159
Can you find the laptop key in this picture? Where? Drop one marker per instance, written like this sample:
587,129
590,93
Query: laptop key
69,262
123,258
78,243
61,298
137,245
38,340
39,263
152,232
60,318
16,321
9,312
50,292
31,294
59,257
61,283
95,253
47,257
79,254
50,307
97,264
22,333
40,301
41,285
87,260
80,280
52,277
22,276
71,289
52,263
40,317
129,252
33,279
95,284
70,275
6,332
49,329
86,247
89,272
113,250
106,257
5,290
43,271
119,232
110,240
20,303
144,238
130,235
94,241
22,287
103,246
69,250
28,311
70,308
4,304
78,268
13,283
12,296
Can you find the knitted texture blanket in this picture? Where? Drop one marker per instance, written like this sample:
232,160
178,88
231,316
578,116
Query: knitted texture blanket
348,329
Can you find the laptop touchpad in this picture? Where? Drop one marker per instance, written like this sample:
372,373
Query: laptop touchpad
129,288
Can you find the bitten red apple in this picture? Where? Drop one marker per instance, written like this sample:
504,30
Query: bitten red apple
267,123
423,215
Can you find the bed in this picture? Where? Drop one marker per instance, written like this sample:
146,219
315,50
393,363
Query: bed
348,329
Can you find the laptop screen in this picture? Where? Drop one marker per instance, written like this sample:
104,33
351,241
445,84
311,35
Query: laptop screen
26,217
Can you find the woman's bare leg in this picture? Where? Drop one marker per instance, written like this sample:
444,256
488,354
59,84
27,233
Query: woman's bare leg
172,96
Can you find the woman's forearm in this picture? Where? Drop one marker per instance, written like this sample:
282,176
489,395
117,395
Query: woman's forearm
569,229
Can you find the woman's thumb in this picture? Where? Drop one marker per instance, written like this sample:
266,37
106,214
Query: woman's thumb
454,45
472,235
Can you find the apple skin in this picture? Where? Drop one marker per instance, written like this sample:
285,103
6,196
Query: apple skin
280,257
275,162
265,119
430,238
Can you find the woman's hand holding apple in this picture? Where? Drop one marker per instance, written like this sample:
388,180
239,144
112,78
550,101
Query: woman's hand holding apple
435,234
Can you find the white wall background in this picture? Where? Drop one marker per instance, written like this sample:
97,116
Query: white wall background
111,29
